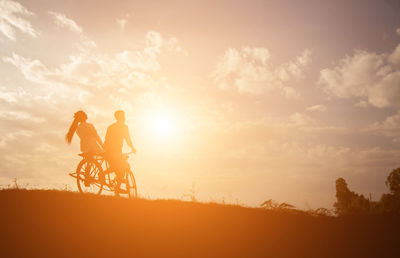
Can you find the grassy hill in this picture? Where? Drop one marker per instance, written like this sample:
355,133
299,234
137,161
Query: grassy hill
38,223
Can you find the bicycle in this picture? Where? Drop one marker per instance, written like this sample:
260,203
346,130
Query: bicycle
88,174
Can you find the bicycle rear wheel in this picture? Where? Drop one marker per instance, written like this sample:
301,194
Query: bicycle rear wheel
87,177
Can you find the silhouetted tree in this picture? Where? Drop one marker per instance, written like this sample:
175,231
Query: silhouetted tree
393,181
349,202
391,202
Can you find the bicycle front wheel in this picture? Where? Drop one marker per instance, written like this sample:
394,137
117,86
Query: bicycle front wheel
132,189
87,177
128,186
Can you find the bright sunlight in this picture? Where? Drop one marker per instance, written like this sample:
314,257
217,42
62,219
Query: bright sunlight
162,124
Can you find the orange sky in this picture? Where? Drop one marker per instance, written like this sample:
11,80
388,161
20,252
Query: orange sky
248,101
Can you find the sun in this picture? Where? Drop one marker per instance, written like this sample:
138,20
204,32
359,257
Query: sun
162,124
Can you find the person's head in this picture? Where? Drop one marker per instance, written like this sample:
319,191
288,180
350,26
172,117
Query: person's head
120,116
79,117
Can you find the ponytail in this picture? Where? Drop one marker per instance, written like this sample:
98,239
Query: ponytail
71,130
79,116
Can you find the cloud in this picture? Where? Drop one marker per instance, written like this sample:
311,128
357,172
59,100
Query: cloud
87,79
299,144
63,22
5,95
310,127
122,24
156,42
248,70
365,76
127,69
298,119
10,20
390,127
362,104
319,108
394,58
33,70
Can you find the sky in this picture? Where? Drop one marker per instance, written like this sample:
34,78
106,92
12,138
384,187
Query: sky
240,101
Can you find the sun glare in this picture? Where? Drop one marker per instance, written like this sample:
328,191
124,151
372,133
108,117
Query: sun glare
162,124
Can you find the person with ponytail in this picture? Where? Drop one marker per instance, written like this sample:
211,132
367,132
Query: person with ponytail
91,143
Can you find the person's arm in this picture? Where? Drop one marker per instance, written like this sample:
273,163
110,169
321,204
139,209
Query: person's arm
129,140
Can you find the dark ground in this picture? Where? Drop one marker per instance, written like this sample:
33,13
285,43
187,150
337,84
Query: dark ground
37,223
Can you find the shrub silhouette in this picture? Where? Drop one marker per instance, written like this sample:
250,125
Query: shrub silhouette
320,212
273,205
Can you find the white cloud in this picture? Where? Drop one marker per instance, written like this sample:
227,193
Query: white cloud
366,76
20,115
125,71
156,42
319,108
362,104
394,58
9,97
9,137
9,19
32,70
299,139
298,119
248,70
390,127
63,22
122,24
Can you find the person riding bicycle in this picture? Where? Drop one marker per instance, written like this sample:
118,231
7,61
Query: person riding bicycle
90,142
116,134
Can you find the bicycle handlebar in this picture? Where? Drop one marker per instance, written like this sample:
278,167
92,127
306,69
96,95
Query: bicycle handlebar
128,153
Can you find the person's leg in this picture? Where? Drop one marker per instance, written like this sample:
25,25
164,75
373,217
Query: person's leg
119,171
108,161
118,186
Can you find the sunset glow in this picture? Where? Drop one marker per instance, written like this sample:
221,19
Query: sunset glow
162,124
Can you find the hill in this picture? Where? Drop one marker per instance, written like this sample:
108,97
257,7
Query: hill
38,223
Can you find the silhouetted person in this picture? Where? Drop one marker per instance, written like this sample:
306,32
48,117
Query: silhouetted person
90,142
116,134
